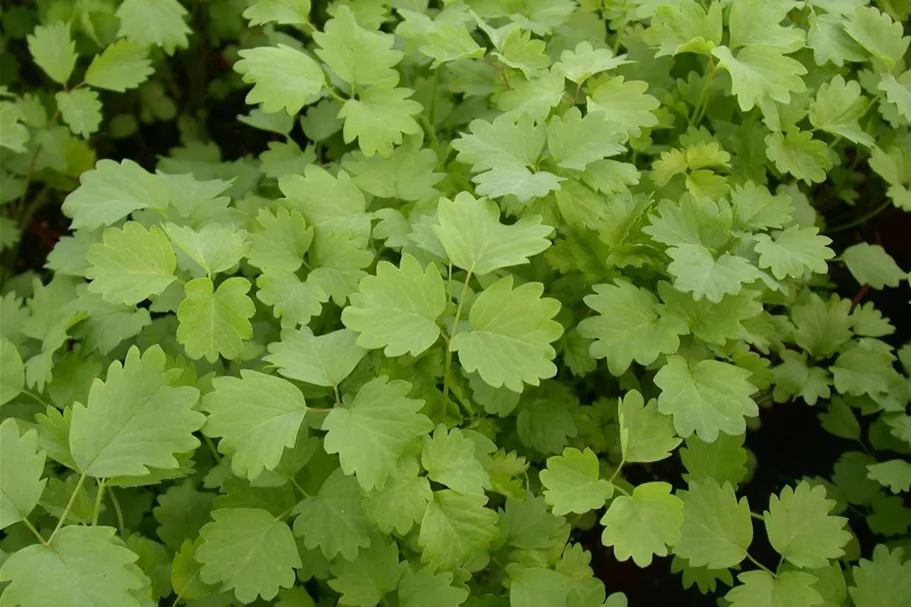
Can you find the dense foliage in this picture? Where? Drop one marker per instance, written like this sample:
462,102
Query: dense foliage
468,282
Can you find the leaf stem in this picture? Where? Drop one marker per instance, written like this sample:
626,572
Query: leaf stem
455,324
338,397
760,565
212,448
35,397
35,533
862,219
617,471
69,506
118,511
703,103
758,517
96,511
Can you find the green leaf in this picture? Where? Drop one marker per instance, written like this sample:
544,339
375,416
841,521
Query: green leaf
822,327
717,529
130,264
282,242
837,109
572,484
830,42
870,264
398,308
585,61
53,50
122,65
358,56
181,512
450,459
379,118
409,174
883,581
695,270
12,371
878,34
364,581
801,529
215,322
898,92
629,326
537,587
839,420
455,527
249,551
894,474
135,420
450,42
401,502
257,417
293,301
110,192
84,564
759,73
575,142
328,202
283,12
644,524
517,321
646,435
625,104
22,465
724,459
159,22
799,154
762,589
334,519
474,239
755,23
216,248
80,110
372,432
323,360
794,251
425,588
282,78
684,27
713,323
705,397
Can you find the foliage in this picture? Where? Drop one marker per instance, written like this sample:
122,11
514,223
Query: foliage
492,266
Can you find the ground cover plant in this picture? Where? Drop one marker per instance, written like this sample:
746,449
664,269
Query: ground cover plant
482,303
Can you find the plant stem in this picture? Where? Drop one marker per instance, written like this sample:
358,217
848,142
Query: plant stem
35,533
455,324
212,448
862,219
617,471
118,511
338,397
69,506
702,104
96,512
758,517
760,565
35,397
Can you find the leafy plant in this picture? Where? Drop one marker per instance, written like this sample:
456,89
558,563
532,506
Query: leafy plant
504,276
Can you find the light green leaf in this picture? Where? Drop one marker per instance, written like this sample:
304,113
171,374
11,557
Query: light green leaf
787,589
334,519
585,61
110,192
724,459
425,588
572,484
130,264
625,104
474,239
283,78
705,397
87,565
379,118
537,586
830,42
685,27
628,326
257,416
644,524
695,270
450,42
509,336
364,581
358,56
249,551
323,360
646,435
122,65
717,529
409,174
21,467
281,243
455,527
713,323
894,474
283,12
401,502
871,265
12,371
837,109
575,142
398,308
794,251
80,110
135,420
883,581
328,202
801,529
53,50
878,34
213,321
898,92
215,247
756,23
450,459
293,301
158,22
373,431
759,73
799,154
